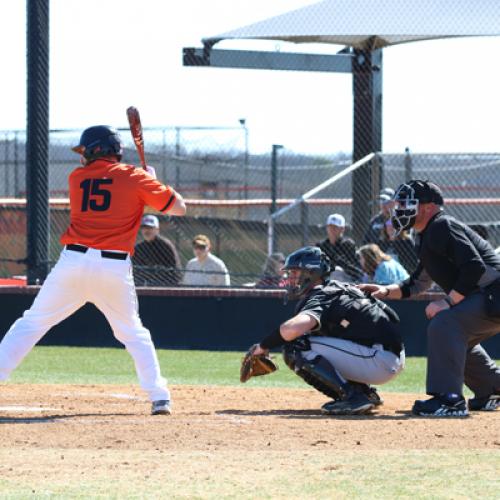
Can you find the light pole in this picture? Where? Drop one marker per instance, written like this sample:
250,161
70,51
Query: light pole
274,175
271,242
408,165
243,123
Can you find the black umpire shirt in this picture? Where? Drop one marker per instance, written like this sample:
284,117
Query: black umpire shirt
343,311
452,255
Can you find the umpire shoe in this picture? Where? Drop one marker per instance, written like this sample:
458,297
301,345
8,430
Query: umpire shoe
161,407
357,403
443,405
489,403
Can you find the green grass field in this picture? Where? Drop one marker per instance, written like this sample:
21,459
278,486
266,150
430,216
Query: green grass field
78,365
74,365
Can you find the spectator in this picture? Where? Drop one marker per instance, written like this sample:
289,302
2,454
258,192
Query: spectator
340,250
400,246
205,269
156,261
375,231
272,275
379,267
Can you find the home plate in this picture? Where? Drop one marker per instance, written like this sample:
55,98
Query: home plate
27,408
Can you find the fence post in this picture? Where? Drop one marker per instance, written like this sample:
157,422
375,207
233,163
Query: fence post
16,165
304,221
270,234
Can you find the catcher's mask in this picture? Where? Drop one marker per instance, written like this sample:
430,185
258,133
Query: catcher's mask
408,198
99,141
312,265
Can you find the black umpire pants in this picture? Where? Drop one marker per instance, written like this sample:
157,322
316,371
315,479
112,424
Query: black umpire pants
455,355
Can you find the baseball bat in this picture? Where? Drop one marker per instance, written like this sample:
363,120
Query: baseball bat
134,121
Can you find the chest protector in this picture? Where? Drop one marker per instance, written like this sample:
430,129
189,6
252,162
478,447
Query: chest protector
356,316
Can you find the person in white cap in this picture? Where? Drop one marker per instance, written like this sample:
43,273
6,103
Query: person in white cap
156,261
340,250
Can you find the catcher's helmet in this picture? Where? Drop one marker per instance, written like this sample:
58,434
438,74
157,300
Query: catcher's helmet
313,264
99,141
407,199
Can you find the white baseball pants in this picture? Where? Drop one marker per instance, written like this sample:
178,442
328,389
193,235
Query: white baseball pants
78,278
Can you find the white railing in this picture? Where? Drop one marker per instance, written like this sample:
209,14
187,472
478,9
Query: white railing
304,197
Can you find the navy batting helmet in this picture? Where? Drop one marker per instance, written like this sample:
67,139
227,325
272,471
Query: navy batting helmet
313,264
99,141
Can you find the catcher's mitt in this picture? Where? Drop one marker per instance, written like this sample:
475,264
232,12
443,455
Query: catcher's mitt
254,365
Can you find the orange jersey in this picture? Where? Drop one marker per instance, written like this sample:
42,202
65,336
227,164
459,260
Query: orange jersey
107,202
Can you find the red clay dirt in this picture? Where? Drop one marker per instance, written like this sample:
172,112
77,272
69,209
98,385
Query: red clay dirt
219,418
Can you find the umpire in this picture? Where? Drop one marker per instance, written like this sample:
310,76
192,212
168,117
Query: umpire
466,267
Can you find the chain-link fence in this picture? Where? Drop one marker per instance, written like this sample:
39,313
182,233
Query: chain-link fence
231,194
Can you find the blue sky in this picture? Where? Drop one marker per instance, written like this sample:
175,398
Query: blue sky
439,96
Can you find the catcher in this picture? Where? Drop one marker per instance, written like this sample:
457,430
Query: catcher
340,341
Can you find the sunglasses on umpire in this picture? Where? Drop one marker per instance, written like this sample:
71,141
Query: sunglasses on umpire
200,247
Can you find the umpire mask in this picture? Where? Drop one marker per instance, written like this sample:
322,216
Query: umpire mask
310,265
405,208
408,198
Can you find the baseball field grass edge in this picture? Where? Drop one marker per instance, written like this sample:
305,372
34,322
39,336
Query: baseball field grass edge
78,365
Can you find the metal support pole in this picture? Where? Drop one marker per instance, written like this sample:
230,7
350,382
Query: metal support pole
274,191
367,90
37,140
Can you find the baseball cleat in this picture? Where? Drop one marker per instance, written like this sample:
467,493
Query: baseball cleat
357,404
489,403
374,396
161,407
441,406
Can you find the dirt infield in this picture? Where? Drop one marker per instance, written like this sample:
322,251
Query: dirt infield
222,417
99,441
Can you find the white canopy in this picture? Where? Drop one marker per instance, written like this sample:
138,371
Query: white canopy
371,24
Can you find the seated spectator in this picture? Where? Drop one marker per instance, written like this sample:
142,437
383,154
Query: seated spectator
272,274
375,231
340,250
156,261
379,267
205,269
400,247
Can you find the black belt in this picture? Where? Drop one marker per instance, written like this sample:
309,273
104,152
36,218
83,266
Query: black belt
104,253
394,348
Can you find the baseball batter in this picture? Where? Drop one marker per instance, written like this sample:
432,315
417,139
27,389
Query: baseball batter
107,199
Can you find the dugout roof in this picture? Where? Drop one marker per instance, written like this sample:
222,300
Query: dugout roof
372,24
364,27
